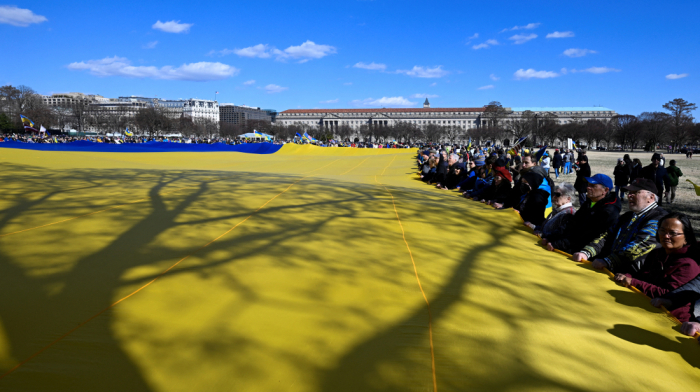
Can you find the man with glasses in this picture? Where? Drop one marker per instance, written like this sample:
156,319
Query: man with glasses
597,214
624,247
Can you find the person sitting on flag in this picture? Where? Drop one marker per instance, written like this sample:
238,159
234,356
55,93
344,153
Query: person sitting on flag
598,213
562,212
500,190
534,200
624,246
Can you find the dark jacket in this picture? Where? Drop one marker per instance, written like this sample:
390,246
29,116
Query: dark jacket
533,207
584,171
658,175
588,224
557,161
635,172
625,246
621,174
673,173
499,193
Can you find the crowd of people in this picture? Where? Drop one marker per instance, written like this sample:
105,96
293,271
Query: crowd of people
647,247
64,138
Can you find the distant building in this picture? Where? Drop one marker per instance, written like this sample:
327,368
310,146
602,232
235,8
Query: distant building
465,118
239,114
193,108
69,99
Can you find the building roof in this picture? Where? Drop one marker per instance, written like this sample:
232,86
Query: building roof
387,110
563,109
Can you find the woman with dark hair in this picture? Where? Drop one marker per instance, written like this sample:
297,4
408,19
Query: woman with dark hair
635,169
534,204
669,267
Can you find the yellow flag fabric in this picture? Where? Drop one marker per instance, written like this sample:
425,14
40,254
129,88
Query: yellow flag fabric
311,269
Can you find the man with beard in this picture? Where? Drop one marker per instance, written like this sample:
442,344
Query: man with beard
624,247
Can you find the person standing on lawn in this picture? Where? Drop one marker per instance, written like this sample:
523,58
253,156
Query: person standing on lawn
673,173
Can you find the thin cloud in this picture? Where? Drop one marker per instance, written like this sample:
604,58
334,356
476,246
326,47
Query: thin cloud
489,42
475,36
307,50
424,72
347,84
596,70
371,66
528,26
561,34
304,52
385,102
531,73
259,51
150,45
676,76
249,82
493,77
433,84
173,26
490,86
20,17
522,38
120,66
424,96
575,52
330,101
273,89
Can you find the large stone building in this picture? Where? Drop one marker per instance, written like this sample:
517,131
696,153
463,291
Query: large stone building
465,118
239,114
193,108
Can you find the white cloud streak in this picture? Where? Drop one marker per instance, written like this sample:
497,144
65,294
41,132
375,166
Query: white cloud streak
304,52
561,34
150,45
475,36
424,72
371,66
330,101
490,86
493,77
522,38
274,89
172,27
676,76
120,66
249,82
386,102
531,73
575,52
596,70
489,42
20,17
424,96
528,26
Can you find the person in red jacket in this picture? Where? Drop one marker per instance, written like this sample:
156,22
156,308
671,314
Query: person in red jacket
670,267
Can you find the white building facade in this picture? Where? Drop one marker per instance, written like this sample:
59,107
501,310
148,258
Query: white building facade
465,118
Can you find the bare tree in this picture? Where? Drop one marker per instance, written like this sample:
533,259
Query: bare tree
654,128
680,111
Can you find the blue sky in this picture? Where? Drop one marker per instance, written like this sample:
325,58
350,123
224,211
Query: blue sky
630,56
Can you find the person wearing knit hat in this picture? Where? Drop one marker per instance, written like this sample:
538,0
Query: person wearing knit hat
500,190
479,160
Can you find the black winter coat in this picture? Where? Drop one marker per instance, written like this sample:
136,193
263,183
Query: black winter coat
588,224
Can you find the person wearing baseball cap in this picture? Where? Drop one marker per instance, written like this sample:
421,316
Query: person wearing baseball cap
658,174
597,214
625,246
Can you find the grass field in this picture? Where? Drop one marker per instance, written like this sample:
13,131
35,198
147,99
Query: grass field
310,269
686,199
